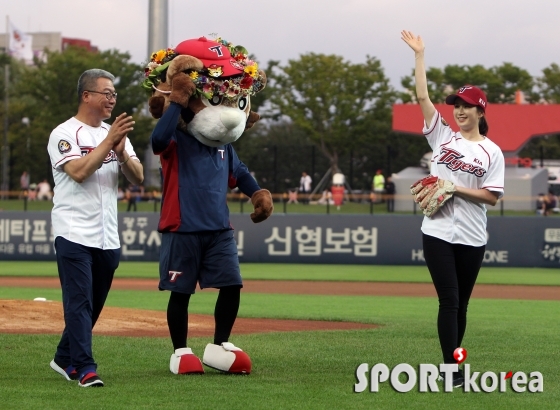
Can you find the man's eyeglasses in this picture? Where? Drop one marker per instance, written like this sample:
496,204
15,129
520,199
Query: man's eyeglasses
109,95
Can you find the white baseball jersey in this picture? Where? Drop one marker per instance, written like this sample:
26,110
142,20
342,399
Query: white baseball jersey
469,164
85,213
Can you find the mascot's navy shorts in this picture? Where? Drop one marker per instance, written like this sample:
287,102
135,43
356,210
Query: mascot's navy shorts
209,258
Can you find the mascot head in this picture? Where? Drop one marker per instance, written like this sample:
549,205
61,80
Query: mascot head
213,81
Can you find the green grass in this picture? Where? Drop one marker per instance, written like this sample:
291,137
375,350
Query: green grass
301,370
237,207
283,271
234,206
46,206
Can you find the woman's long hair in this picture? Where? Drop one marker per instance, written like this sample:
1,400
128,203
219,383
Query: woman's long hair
482,124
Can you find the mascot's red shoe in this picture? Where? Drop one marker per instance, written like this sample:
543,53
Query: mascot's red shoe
227,358
183,361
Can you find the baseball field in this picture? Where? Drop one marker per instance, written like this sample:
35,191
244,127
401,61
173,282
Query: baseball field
306,327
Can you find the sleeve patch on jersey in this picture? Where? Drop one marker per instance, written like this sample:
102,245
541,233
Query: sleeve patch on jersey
64,146
444,122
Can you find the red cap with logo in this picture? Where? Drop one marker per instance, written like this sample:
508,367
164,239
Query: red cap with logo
471,95
215,56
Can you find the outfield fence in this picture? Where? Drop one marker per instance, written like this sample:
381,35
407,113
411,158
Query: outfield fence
380,239
291,202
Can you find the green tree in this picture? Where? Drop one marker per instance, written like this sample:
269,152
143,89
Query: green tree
549,84
15,70
500,83
547,147
509,79
437,86
337,105
46,94
277,152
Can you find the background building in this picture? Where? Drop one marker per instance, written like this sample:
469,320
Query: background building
50,41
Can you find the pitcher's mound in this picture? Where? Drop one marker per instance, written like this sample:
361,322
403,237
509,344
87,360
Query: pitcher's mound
40,317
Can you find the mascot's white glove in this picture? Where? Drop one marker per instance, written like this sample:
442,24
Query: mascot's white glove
431,193
262,204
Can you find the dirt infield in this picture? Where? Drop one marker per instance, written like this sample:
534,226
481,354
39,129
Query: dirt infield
323,288
46,317
30,317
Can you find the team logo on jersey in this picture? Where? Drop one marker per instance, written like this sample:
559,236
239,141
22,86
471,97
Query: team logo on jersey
173,275
452,160
86,150
111,155
444,122
64,146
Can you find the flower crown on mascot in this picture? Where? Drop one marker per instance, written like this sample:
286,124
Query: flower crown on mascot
201,93
219,76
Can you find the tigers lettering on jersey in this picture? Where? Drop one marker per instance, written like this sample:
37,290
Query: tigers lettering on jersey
111,156
452,160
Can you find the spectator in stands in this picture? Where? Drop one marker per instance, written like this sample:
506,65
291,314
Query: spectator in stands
378,186
540,203
305,187
292,196
549,203
390,194
24,184
133,194
44,192
32,193
326,197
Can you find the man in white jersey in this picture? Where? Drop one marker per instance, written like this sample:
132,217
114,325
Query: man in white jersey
454,238
86,154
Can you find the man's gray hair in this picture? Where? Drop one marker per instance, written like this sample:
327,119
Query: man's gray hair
88,80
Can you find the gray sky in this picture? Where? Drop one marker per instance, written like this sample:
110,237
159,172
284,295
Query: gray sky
487,32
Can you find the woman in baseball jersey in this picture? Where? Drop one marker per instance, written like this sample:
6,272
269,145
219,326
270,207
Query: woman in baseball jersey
471,167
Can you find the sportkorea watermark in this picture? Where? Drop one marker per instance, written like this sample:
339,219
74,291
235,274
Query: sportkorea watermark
425,378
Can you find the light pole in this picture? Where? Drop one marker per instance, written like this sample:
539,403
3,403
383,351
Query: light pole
5,147
25,121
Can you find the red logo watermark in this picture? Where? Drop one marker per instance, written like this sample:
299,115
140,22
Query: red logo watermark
460,355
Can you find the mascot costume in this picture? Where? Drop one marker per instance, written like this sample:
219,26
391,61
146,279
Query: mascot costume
201,93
